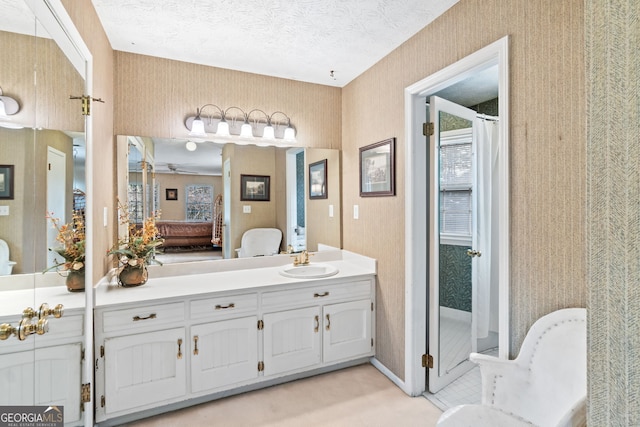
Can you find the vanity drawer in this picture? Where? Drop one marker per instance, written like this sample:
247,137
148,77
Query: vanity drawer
224,306
144,317
319,294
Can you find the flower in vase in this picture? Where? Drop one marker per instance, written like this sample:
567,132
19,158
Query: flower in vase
71,236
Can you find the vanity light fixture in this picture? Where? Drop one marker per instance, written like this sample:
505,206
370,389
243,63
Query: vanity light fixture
8,107
234,125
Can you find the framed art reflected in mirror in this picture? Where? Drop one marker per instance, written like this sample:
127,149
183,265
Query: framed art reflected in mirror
6,182
318,180
254,188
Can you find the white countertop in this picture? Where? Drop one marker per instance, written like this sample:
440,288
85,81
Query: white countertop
188,279
249,277
12,303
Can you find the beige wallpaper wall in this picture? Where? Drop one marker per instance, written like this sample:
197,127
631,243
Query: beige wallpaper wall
155,96
547,155
613,212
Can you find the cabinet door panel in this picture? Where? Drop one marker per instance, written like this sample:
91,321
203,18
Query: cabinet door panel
227,353
347,330
56,379
291,340
144,368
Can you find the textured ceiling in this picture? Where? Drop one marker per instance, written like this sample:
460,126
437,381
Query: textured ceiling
293,39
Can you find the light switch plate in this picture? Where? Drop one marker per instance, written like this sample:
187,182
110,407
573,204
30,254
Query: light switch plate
4,210
356,212
330,211
246,209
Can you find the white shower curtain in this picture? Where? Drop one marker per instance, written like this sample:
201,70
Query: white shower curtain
487,216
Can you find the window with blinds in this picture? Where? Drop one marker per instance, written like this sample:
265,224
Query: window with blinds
456,180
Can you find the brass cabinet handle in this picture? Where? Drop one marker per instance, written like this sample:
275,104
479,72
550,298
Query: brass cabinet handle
179,348
45,311
223,307
151,316
328,323
324,294
195,345
315,329
6,330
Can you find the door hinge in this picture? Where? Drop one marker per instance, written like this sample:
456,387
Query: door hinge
371,305
427,361
260,325
101,351
371,342
260,366
82,354
86,103
102,401
427,129
85,393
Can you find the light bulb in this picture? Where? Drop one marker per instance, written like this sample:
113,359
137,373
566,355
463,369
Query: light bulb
197,128
223,128
268,132
191,146
246,131
290,134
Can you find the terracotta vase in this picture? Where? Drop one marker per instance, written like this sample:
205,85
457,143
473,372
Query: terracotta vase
132,276
75,281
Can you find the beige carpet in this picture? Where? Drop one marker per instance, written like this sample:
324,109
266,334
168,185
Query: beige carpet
358,396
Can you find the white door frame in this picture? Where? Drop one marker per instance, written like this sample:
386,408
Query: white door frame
416,204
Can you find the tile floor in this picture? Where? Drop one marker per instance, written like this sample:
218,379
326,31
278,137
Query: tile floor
465,389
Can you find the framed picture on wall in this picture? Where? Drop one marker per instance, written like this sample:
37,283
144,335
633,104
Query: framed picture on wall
171,194
6,182
254,188
377,169
318,180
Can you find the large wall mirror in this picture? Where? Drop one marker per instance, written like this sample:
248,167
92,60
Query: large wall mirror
204,209
43,152
43,142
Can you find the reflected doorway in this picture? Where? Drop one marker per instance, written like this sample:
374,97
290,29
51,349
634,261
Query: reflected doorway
296,215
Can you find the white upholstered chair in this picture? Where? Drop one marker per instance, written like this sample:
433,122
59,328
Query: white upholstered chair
260,242
546,385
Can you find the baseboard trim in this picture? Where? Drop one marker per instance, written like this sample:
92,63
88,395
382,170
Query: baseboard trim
393,377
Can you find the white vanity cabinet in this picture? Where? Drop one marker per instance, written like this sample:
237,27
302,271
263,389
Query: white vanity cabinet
141,354
333,323
224,350
203,344
45,369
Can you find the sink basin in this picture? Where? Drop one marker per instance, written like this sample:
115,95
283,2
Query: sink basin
309,271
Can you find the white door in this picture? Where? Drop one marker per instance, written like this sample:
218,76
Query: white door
56,197
144,369
291,340
224,353
51,378
452,253
347,330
